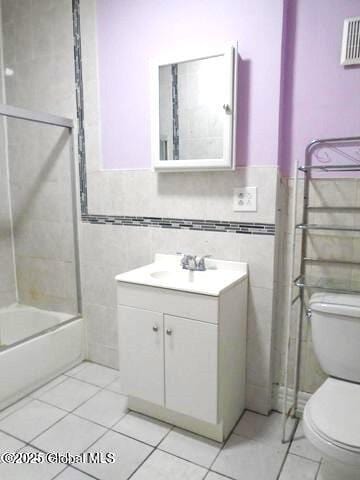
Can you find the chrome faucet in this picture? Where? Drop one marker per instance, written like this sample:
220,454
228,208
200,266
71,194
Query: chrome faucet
200,262
193,263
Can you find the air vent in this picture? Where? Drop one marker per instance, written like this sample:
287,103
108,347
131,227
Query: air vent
350,52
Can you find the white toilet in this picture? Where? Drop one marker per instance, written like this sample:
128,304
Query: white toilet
332,415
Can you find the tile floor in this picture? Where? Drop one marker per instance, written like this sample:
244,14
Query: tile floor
84,411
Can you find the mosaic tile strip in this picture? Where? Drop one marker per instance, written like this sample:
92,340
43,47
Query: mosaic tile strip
154,222
175,110
183,224
79,89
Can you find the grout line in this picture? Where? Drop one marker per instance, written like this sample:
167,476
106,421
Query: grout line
70,466
16,409
142,463
182,458
318,471
220,475
287,452
227,439
70,377
30,395
303,457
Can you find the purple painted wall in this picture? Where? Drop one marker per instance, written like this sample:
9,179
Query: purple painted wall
130,32
318,97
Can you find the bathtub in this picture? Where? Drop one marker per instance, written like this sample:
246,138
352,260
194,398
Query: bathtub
35,347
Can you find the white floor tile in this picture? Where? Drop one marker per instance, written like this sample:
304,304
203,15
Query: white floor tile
69,394
129,455
16,406
191,447
262,428
106,408
116,386
246,459
9,444
298,468
73,371
302,447
97,374
72,474
31,420
215,476
162,466
142,428
29,471
48,386
72,434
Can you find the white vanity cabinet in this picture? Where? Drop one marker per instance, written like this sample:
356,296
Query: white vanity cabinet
142,353
182,354
169,361
191,367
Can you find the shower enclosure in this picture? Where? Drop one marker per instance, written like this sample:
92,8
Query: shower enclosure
41,329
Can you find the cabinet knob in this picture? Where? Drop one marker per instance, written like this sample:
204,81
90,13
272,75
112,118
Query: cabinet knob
155,328
168,331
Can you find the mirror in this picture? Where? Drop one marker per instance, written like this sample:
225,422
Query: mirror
193,112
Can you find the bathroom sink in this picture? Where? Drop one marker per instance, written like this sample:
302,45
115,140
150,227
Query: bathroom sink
188,276
166,272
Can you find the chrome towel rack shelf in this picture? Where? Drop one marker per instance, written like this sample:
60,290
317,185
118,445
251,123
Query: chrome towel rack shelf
301,282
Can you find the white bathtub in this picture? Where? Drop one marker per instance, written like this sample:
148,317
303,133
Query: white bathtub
35,346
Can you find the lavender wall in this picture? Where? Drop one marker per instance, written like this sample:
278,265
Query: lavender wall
320,97
131,32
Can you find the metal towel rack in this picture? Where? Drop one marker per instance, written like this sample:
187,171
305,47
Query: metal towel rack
302,282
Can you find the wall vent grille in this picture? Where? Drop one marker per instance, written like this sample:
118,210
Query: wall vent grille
350,52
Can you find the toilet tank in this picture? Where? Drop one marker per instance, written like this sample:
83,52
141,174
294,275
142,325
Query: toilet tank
335,322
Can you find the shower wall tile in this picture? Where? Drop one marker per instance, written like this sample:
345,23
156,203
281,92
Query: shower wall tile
7,270
38,47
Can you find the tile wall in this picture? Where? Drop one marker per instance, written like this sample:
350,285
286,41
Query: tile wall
7,272
37,46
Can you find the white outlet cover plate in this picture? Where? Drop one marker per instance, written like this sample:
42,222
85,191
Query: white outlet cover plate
245,199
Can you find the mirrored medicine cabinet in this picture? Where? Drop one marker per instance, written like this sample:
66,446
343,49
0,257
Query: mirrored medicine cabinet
194,111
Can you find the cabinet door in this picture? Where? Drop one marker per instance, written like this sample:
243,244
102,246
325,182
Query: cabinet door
191,367
141,345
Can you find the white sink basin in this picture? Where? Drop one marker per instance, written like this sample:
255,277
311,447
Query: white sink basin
181,276
166,272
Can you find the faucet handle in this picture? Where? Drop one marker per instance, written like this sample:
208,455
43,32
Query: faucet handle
188,262
200,262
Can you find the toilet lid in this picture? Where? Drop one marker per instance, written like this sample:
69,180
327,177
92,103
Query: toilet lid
334,411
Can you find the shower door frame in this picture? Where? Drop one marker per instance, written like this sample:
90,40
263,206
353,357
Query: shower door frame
10,111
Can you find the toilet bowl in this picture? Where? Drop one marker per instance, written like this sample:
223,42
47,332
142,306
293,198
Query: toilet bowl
332,424
332,415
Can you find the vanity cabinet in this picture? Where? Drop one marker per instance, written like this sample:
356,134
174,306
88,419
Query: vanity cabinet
183,355
169,361
191,367
142,353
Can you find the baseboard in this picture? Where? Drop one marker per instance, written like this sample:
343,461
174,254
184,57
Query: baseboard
278,398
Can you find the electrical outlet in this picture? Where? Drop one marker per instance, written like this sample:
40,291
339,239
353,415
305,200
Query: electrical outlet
245,199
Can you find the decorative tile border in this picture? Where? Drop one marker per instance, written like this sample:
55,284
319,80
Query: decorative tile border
175,110
183,224
154,222
79,89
